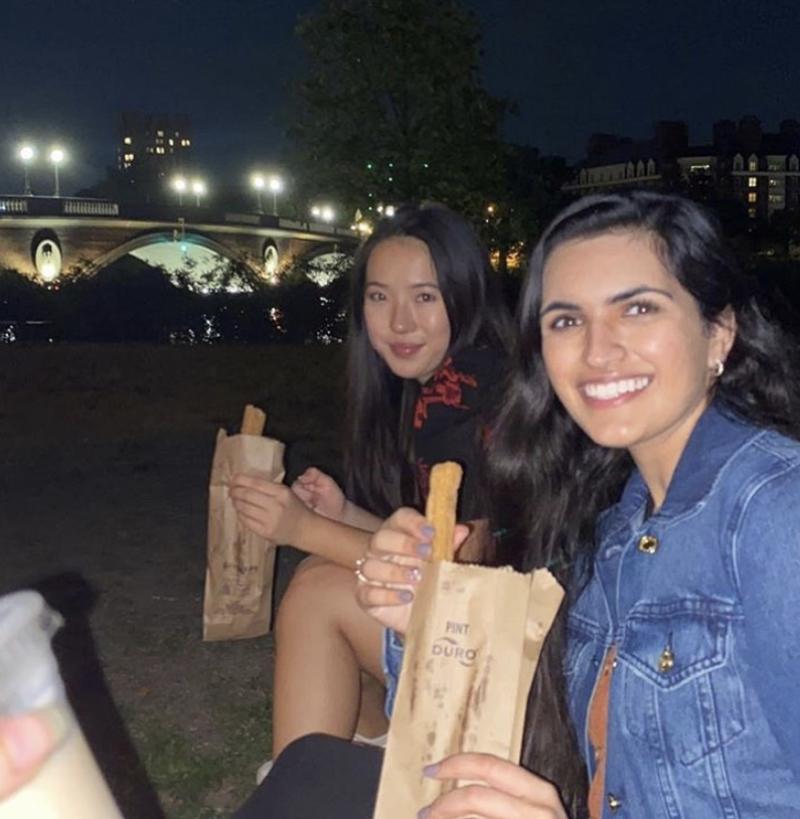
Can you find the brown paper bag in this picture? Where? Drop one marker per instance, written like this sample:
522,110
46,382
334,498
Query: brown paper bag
241,565
472,646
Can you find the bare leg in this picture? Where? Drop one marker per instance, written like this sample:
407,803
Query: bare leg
372,721
323,641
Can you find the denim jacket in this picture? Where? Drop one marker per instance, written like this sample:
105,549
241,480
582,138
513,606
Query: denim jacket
702,601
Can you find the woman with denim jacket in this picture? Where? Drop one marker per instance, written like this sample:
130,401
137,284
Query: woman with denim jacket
648,442
646,451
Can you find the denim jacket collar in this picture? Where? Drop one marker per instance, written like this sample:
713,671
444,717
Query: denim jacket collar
716,437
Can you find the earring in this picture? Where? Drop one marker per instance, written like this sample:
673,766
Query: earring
718,368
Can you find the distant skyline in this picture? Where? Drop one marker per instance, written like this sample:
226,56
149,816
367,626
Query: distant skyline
573,67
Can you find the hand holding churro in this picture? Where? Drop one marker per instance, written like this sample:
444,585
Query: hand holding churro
392,567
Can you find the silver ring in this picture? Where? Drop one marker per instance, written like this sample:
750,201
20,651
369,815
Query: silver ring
360,576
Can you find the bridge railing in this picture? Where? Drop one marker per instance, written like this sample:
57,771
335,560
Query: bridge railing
13,205
89,207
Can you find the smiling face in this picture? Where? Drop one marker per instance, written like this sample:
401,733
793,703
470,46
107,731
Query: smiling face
625,347
404,311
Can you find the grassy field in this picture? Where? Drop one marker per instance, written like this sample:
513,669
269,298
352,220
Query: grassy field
105,455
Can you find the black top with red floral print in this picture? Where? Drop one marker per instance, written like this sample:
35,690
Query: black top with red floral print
450,422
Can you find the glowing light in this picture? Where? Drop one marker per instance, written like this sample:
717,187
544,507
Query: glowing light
275,184
180,184
258,181
49,272
27,153
389,211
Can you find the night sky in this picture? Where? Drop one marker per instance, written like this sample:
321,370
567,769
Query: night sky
68,67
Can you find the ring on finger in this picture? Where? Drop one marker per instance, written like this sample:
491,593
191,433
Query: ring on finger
360,576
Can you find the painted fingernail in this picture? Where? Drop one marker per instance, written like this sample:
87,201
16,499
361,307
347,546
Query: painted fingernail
431,770
427,531
424,550
414,575
424,813
406,596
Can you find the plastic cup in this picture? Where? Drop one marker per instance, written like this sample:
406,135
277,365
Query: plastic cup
69,784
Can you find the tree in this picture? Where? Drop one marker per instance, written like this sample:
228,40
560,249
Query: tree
530,196
392,108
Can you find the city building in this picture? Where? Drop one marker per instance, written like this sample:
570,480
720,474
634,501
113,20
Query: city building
152,147
743,163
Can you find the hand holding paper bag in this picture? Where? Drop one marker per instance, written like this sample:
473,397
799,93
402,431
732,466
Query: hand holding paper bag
473,641
239,573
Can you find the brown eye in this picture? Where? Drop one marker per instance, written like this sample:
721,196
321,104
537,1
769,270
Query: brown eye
564,322
641,308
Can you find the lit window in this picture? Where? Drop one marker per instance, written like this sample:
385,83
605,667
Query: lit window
172,142
149,149
752,164
159,150
127,140
752,181
751,212
160,133
752,198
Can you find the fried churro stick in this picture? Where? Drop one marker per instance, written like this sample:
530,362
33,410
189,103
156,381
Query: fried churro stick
253,421
440,509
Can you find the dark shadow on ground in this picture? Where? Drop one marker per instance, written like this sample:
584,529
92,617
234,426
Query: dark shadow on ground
71,595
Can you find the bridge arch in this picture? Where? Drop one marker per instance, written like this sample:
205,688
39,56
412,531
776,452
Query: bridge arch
161,236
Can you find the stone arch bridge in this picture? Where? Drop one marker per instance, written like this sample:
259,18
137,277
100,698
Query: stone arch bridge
46,237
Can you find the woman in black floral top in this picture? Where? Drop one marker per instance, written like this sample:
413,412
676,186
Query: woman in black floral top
427,346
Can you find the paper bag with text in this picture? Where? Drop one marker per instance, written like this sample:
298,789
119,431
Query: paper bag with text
472,647
240,565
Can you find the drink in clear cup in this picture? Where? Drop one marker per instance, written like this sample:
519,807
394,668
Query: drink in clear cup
69,785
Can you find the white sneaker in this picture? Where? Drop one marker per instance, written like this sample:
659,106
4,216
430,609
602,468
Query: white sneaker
262,771
377,742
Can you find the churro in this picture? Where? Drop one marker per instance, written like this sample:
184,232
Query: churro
440,509
253,421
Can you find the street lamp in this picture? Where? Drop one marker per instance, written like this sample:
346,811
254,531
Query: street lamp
258,183
179,185
198,189
276,187
57,157
27,153
324,212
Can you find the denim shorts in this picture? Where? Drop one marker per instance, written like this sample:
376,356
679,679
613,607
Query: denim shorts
392,661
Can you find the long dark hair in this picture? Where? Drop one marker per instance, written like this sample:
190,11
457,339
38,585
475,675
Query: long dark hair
551,481
380,404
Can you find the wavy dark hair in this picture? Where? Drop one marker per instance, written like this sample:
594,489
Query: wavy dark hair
552,481
378,444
